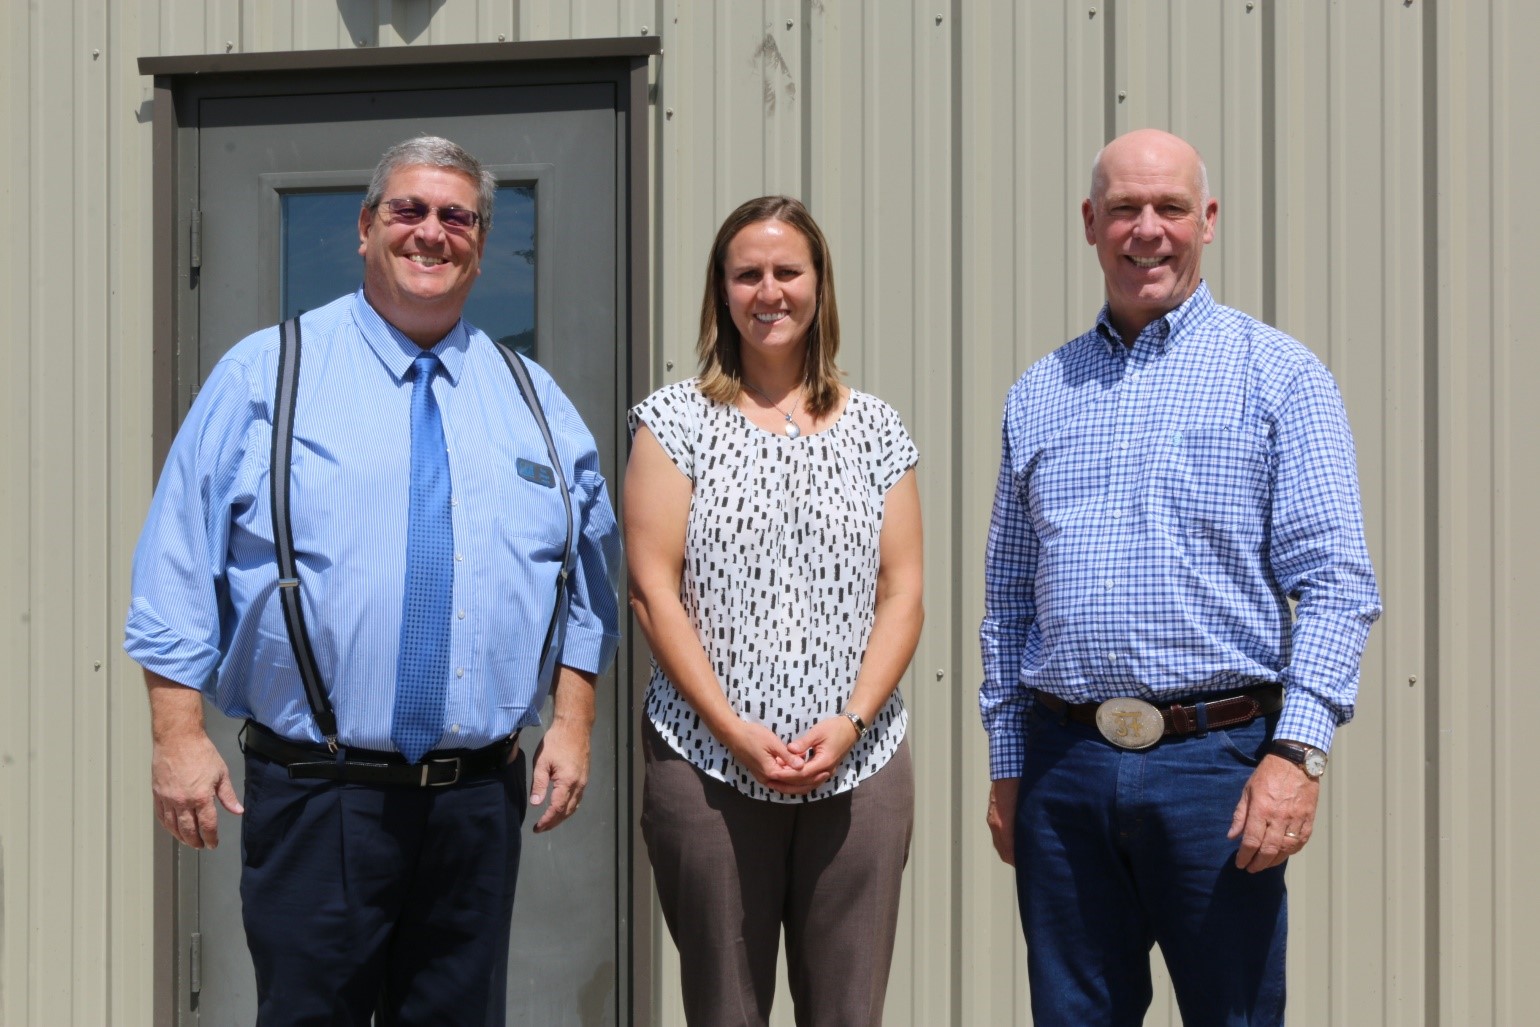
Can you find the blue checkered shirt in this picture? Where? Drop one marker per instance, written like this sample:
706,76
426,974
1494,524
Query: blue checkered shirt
1157,509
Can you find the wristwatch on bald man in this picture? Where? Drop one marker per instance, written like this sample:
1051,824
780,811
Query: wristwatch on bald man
1307,757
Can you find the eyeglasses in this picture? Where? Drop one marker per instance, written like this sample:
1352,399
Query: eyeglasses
414,212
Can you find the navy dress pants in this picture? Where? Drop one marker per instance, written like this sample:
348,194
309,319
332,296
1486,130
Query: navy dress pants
367,900
1117,851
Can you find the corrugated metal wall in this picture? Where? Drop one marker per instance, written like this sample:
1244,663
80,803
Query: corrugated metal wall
1367,157
1485,499
74,307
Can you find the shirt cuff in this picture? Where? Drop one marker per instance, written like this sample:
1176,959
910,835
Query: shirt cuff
1005,759
1005,723
1007,752
587,650
160,650
1306,719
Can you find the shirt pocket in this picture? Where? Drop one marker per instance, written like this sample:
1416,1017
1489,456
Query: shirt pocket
529,500
1217,485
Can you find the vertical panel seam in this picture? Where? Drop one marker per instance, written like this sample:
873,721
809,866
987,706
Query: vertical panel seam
957,627
1269,203
1110,73
805,108
1433,827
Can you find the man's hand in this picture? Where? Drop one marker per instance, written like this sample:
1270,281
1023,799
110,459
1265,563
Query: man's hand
1001,818
560,765
561,758
187,774
1276,814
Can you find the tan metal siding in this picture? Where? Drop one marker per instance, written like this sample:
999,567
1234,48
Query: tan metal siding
55,743
16,772
125,352
1486,506
1347,212
1470,656
1516,494
1372,161
15,775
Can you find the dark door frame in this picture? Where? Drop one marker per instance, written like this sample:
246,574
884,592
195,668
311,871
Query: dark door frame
180,84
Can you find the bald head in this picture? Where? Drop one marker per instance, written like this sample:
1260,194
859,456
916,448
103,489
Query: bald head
1164,148
1149,216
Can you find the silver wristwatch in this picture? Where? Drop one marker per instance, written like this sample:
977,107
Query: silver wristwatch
1310,759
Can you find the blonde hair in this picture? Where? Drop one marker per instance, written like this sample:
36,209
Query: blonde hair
721,362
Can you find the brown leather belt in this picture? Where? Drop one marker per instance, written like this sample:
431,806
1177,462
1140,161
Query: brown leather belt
1183,717
366,766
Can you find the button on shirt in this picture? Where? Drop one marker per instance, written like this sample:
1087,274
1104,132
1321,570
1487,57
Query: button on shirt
1156,510
205,609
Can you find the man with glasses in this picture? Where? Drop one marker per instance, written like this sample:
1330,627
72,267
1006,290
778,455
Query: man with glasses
1158,712
454,557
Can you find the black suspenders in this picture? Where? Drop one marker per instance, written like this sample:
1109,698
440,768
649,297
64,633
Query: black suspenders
548,651
283,532
283,527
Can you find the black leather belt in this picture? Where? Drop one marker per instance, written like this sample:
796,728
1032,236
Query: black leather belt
1137,724
368,766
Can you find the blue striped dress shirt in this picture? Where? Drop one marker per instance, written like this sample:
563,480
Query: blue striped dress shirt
1156,511
205,608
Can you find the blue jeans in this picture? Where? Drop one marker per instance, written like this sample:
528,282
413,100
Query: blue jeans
1117,851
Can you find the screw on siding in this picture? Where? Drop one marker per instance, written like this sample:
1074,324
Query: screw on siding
229,46
95,54
789,24
940,674
502,37
668,112
644,30
668,365
98,664
1122,95
1411,681
1092,14
1250,6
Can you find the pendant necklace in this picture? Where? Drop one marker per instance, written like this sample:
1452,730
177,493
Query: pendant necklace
792,431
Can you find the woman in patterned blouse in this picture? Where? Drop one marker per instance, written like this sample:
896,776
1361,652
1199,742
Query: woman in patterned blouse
773,534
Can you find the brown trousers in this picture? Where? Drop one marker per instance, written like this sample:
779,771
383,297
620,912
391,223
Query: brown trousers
732,870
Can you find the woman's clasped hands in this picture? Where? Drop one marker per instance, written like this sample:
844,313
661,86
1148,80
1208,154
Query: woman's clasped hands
796,767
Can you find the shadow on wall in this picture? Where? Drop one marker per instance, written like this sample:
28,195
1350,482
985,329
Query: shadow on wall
410,19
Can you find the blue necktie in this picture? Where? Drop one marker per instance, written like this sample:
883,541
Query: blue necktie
422,671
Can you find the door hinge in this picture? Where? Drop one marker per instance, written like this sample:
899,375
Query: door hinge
195,240
195,962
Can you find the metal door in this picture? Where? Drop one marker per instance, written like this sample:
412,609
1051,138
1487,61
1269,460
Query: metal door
279,179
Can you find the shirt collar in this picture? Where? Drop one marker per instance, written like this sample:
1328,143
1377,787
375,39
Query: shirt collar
397,352
1169,328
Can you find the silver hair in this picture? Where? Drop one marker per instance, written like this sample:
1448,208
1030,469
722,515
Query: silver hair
1099,180
433,152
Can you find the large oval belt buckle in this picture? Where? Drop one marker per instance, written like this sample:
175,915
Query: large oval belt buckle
1130,723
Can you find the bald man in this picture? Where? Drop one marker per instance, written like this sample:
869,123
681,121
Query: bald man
1159,717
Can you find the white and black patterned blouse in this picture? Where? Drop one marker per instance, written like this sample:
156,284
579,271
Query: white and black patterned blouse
780,573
